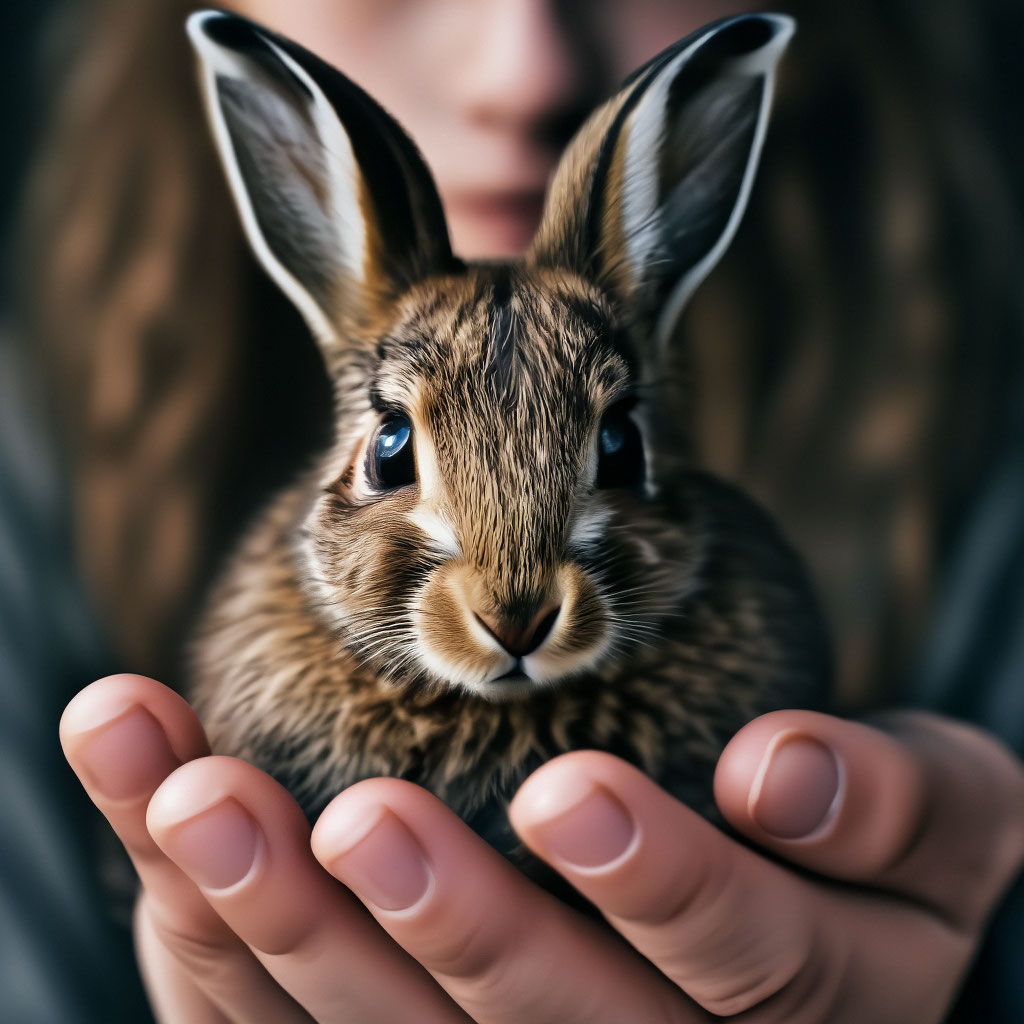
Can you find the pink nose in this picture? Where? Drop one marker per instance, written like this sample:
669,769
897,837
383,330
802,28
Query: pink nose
518,640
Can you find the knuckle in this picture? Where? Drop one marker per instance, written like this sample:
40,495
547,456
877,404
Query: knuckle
818,991
736,944
738,989
200,949
735,999
670,903
969,804
476,952
897,847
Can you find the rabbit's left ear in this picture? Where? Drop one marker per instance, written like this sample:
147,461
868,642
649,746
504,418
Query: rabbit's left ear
651,191
336,202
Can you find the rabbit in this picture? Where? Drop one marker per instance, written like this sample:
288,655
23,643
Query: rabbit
506,553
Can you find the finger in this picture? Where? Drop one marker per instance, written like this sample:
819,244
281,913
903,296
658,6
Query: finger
728,926
123,736
173,992
504,949
245,842
930,808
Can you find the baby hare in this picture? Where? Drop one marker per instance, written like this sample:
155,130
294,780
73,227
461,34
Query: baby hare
505,554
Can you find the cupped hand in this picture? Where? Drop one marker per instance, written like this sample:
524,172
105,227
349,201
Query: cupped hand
235,919
904,840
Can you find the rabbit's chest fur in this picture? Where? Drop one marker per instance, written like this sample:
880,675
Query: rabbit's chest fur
275,684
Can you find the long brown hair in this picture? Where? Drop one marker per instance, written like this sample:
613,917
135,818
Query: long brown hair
851,354
167,355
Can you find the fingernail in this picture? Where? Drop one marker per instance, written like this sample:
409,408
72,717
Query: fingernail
593,831
795,788
386,866
218,847
128,757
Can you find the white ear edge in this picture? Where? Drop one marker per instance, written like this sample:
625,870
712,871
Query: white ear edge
640,197
640,200
343,181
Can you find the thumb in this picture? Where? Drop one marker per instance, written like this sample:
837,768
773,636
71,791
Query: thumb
920,805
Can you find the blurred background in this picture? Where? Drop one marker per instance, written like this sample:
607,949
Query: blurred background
21,28
867,388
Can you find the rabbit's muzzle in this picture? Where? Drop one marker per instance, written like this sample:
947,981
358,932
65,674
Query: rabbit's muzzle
497,648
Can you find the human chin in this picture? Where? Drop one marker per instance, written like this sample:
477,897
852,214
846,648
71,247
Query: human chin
497,229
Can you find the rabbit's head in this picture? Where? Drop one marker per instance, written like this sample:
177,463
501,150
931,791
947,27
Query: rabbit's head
496,512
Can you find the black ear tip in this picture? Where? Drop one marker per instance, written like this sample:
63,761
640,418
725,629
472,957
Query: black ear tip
777,26
749,33
228,30
208,24
732,38
220,38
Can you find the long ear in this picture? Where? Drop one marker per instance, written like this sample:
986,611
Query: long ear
338,205
651,191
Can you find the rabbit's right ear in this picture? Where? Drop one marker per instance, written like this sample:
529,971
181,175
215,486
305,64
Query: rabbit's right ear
651,190
337,203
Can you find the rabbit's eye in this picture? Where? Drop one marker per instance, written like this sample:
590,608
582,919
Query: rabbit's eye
620,450
391,461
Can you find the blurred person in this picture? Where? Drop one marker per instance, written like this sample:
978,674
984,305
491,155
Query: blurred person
858,390
856,357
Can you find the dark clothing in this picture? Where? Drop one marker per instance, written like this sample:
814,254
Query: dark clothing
974,670
62,959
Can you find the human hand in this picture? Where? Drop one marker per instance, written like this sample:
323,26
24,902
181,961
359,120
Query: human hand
236,921
929,826
226,942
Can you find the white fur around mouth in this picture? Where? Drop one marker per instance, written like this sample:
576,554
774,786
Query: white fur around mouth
517,677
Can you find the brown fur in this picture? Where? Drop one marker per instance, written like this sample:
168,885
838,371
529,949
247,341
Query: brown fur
351,635
303,662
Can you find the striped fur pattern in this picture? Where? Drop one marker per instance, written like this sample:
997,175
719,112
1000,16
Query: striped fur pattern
358,629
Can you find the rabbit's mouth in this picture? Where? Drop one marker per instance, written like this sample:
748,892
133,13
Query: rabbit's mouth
509,685
519,681
514,681
514,675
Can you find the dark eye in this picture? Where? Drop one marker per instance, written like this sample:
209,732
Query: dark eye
391,460
620,450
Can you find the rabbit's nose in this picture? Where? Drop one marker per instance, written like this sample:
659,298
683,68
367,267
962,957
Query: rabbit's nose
519,640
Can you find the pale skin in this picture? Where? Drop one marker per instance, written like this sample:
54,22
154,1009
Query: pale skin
910,833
